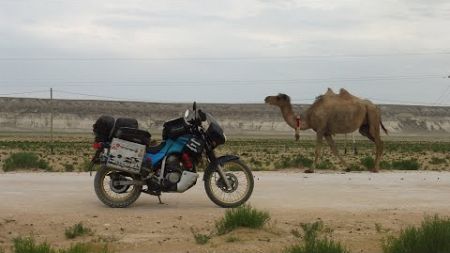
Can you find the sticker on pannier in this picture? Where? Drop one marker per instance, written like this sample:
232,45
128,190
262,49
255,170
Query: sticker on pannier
125,155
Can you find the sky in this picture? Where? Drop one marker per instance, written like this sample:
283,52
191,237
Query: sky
226,51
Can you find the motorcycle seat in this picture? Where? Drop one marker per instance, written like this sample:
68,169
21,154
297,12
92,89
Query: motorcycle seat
155,149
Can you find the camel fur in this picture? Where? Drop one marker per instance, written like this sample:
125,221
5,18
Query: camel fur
332,114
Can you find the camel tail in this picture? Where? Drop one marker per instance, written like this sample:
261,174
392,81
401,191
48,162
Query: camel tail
384,128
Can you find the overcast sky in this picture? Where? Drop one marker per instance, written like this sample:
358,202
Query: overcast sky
226,51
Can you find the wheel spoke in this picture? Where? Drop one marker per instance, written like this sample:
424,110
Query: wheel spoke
239,180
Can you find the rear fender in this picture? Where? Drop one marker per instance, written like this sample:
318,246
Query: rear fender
219,161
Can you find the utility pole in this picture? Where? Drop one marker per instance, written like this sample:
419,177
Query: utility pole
51,120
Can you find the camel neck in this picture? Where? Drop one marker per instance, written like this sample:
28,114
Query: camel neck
289,116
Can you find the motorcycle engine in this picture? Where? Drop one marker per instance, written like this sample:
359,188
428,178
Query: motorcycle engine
173,170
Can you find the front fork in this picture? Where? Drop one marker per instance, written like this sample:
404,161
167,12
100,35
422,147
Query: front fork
215,164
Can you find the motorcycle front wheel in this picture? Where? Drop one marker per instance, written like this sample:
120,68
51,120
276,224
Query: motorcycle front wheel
241,181
110,192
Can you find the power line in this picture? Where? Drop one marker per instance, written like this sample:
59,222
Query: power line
255,82
91,95
255,101
233,58
22,93
443,95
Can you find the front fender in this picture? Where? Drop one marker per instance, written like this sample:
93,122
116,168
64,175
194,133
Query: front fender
220,160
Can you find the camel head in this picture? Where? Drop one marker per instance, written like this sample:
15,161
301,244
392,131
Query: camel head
281,100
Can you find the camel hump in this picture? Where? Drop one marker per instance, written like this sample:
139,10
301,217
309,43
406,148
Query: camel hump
344,93
330,92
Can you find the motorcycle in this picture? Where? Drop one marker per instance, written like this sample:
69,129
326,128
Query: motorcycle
129,165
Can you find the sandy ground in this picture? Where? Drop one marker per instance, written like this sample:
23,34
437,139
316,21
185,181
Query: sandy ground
350,204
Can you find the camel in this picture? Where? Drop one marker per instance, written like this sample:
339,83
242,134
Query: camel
332,114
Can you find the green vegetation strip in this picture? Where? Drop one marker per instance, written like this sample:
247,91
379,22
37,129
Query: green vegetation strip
25,160
243,216
28,245
312,243
77,230
433,236
259,154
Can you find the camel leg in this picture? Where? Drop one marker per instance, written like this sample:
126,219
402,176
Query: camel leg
355,149
319,139
334,150
365,130
345,144
375,133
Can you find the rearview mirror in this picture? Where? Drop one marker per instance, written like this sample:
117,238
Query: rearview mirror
201,115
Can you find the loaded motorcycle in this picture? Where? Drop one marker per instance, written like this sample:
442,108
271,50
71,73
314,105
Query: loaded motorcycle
129,165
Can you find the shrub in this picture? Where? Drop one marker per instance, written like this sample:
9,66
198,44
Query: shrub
28,245
324,165
25,160
301,161
318,246
410,164
385,165
243,216
368,162
433,236
296,162
313,244
200,238
76,230
354,167
437,160
68,167
84,165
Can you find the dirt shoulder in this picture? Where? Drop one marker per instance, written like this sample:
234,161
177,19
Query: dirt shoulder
44,204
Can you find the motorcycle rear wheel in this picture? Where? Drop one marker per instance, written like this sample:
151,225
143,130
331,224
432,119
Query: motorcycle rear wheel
241,180
115,196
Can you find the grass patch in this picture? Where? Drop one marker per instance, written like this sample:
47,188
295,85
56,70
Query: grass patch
355,167
25,160
433,236
232,239
324,165
294,162
200,238
437,160
385,165
68,167
243,216
410,164
77,230
368,162
313,244
84,165
28,245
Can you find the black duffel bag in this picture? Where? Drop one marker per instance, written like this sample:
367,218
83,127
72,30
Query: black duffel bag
102,128
175,128
123,122
134,135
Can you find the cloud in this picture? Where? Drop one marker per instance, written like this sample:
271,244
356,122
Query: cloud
227,29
